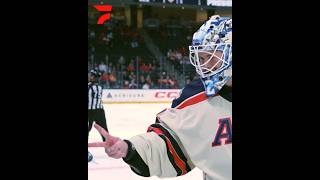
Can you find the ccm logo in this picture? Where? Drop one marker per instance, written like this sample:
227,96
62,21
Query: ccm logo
166,94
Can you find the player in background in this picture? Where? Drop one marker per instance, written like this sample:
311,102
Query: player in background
197,130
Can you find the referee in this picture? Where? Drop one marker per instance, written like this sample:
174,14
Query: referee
95,108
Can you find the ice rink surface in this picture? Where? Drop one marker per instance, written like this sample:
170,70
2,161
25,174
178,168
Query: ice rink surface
125,121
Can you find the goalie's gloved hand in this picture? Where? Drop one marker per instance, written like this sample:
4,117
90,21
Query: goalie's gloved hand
114,146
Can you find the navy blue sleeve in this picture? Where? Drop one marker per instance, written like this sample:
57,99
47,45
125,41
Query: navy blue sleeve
195,87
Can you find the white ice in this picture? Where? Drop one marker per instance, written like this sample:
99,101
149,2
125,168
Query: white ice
125,121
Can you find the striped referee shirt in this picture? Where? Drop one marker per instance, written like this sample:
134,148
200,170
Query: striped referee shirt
94,96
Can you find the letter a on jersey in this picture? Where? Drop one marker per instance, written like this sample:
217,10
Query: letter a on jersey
224,132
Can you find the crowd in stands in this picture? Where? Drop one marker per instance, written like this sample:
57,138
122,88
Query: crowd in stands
118,52
133,75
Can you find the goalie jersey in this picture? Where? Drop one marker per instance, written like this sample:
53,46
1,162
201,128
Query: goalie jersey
195,132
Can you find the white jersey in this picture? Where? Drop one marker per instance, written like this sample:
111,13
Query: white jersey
195,132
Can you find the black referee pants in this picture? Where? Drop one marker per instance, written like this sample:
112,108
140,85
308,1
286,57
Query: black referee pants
98,116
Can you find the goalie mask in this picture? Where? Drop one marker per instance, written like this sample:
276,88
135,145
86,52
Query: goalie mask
211,53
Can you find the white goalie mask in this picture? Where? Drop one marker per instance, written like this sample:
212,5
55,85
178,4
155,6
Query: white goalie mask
211,53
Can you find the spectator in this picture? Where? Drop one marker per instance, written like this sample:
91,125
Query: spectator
102,67
145,86
133,84
104,80
126,84
130,67
112,79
